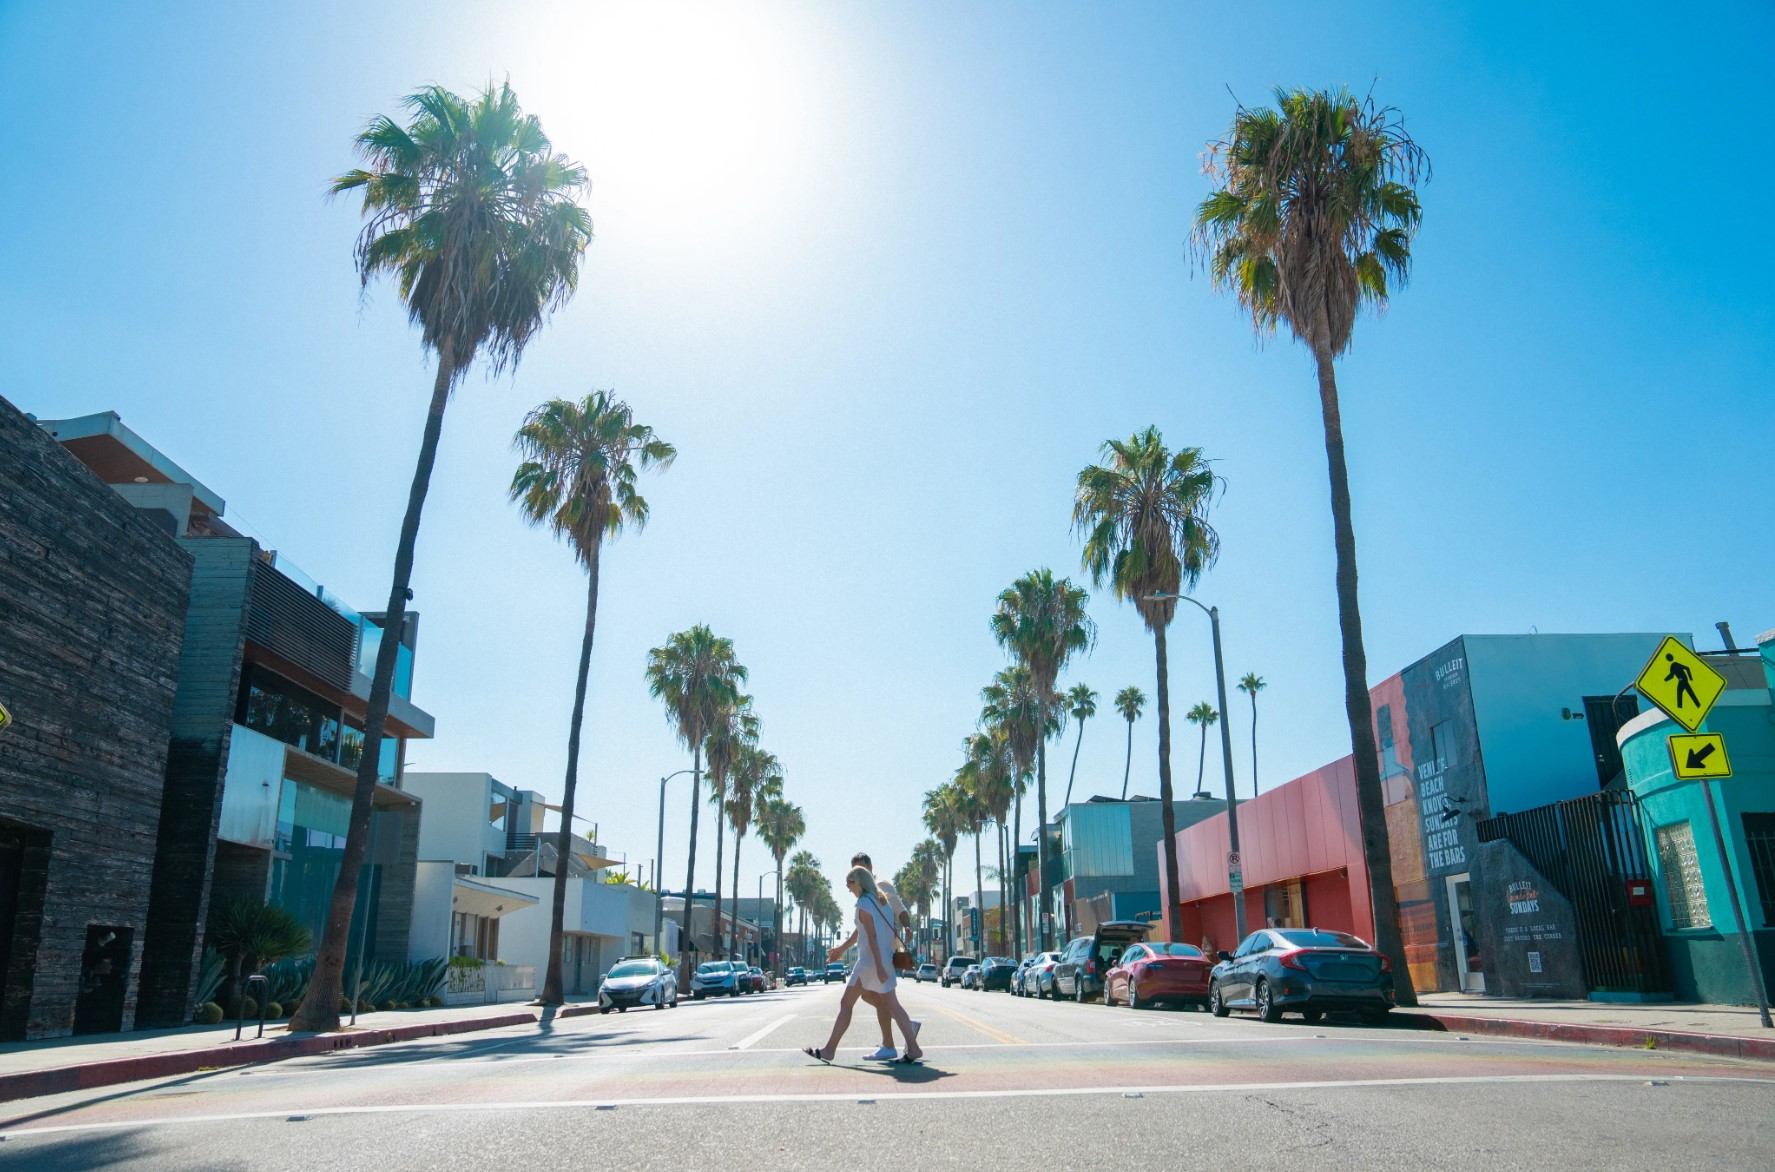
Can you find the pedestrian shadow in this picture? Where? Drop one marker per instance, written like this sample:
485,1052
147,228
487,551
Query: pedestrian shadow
919,1075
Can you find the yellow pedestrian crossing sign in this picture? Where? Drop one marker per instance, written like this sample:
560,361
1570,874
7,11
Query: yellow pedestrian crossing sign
5,718
1680,682
1696,755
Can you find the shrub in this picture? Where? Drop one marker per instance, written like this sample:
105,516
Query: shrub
209,977
209,1013
249,1008
273,1011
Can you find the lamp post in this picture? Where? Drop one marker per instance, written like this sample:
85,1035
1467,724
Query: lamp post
659,851
1226,754
776,935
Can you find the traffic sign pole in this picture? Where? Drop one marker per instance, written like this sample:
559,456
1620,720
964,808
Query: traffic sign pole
1750,956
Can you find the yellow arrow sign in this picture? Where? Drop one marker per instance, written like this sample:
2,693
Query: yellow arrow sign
1680,682
5,718
1694,755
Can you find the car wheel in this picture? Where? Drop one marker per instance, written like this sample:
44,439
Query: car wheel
1134,996
674,1001
1078,991
1311,1015
622,1009
1267,1008
603,1009
661,1003
1217,1003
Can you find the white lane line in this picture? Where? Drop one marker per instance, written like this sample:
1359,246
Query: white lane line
876,1096
747,1042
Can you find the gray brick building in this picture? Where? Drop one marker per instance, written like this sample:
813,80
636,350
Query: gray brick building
93,597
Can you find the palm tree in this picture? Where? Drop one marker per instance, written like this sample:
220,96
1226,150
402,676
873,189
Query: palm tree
1013,706
1081,704
1313,217
943,818
1041,622
1129,702
1251,685
994,784
757,777
975,813
781,824
251,934
578,478
1144,515
1202,714
730,735
802,881
473,214
924,871
697,678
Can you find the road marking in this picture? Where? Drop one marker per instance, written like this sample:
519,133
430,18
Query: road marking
606,1104
749,1040
990,1031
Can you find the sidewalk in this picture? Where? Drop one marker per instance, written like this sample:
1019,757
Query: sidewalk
66,1064
1731,1030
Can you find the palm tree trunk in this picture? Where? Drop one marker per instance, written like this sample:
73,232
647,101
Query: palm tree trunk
1128,765
552,993
1041,829
1004,891
1254,744
1016,843
720,842
320,1008
979,896
1202,758
1370,802
687,942
1167,815
733,924
1076,745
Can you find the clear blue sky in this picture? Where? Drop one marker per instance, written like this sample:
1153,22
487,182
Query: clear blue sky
887,275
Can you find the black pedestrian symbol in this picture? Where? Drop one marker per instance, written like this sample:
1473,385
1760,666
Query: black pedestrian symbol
1680,672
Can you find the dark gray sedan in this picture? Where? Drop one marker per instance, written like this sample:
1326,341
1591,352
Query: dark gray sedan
1310,971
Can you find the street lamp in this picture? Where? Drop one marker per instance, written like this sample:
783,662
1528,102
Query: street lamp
1226,753
776,934
659,852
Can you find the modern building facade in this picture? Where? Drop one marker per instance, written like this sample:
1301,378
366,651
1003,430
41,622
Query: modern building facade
266,732
94,620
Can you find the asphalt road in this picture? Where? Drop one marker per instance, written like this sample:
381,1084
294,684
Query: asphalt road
1006,1082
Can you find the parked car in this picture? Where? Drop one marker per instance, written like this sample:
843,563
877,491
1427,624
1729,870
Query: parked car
1079,972
1149,973
714,978
970,977
995,973
836,972
755,976
1038,978
925,972
1305,970
952,972
635,982
796,975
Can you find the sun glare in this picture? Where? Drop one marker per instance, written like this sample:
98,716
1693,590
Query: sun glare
692,118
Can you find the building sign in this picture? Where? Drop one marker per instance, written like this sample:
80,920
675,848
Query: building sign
1680,682
1523,898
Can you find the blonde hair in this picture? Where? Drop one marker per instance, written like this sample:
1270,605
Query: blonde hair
865,881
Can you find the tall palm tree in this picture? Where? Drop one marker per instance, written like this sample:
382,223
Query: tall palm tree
781,824
730,735
1143,512
696,676
1129,702
1312,218
1202,714
802,881
578,479
472,212
925,868
995,784
943,819
1081,704
975,815
1013,708
756,776
1041,622
1251,685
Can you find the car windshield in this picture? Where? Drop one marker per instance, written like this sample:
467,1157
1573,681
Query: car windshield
958,962
711,968
1175,949
633,968
999,960
1318,938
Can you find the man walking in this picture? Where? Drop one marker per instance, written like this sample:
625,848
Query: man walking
897,906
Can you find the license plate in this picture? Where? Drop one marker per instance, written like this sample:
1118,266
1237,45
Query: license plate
1345,972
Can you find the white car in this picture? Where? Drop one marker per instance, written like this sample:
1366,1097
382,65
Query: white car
925,972
636,982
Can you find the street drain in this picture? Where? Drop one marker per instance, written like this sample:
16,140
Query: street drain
297,1119
1132,1095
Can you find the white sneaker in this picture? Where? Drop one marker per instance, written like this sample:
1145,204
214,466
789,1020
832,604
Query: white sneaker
883,1054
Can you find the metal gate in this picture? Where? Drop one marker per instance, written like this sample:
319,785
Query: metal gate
1592,849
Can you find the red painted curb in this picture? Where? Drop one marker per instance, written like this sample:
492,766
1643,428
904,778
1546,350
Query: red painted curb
1724,1045
86,1076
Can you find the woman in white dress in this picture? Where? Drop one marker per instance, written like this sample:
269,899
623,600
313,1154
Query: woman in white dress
873,979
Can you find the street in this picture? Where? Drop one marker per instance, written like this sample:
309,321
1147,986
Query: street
1006,1081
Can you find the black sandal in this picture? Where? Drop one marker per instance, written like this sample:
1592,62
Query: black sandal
906,1060
814,1052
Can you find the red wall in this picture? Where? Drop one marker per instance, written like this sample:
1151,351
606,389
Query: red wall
1306,828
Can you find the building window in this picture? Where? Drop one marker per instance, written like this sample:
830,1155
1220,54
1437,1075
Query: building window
1684,892
1759,839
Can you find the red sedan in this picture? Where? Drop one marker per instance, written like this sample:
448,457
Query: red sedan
1147,974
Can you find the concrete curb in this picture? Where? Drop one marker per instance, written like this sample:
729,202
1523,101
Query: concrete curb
87,1076
1723,1045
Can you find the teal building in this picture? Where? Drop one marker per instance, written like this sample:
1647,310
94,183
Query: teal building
1690,874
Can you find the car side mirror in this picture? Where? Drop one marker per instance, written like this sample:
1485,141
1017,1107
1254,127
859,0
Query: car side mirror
1223,954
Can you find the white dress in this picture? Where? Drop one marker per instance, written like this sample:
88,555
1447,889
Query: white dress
878,943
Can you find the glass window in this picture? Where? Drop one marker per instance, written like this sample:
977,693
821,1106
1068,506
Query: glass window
1684,893
634,968
1759,838
1317,938
274,706
1174,950
1256,942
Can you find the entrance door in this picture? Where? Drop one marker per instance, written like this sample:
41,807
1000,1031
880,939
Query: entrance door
104,969
1460,914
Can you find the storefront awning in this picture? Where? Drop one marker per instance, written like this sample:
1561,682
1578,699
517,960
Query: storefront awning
480,899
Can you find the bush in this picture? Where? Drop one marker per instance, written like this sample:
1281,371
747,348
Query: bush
209,1013
249,1008
273,1011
